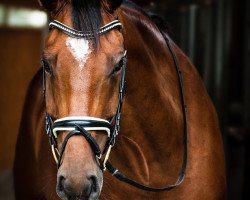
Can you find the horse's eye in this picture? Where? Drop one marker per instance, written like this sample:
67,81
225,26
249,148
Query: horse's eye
46,66
118,67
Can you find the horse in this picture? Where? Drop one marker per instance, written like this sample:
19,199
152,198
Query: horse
154,129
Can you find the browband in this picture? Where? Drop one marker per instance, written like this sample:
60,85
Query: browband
87,35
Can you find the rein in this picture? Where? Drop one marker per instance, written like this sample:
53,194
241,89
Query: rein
120,176
82,125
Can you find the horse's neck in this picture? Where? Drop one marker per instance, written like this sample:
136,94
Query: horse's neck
152,121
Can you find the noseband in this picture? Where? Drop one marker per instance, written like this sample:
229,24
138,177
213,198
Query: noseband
82,125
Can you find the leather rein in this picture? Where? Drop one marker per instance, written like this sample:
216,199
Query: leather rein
82,125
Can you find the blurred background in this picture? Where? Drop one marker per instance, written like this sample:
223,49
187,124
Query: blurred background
215,34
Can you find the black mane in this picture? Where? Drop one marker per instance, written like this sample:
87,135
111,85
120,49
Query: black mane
87,16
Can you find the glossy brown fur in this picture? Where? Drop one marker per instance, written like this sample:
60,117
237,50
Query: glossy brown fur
149,147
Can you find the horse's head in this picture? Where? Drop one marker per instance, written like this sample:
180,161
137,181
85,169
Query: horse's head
83,76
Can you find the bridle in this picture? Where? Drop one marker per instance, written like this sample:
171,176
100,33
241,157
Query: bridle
82,125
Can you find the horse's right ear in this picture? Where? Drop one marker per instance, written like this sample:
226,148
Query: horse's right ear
49,5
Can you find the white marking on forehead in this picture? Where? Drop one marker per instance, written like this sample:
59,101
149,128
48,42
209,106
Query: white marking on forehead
80,49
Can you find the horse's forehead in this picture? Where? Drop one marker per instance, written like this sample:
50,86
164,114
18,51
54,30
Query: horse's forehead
80,49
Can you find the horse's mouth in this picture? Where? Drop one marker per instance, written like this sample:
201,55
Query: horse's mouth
90,189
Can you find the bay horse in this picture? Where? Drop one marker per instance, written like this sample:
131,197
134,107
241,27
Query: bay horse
169,144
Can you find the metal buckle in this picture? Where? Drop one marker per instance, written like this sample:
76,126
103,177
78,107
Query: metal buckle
99,156
106,158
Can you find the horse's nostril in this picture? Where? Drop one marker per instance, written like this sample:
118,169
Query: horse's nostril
93,182
61,187
94,187
61,184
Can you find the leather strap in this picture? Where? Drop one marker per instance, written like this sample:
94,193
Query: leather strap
89,35
79,131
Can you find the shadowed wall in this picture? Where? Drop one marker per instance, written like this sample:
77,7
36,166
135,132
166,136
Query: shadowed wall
19,60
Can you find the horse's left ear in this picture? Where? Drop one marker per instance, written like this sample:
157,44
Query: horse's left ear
114,4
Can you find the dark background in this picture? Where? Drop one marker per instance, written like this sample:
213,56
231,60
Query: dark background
215,34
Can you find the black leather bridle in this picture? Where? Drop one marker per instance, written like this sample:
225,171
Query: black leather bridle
82,125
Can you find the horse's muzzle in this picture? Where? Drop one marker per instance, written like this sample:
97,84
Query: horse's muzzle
90,189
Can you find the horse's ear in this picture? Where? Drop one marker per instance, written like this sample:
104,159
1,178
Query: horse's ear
49,5
114,4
